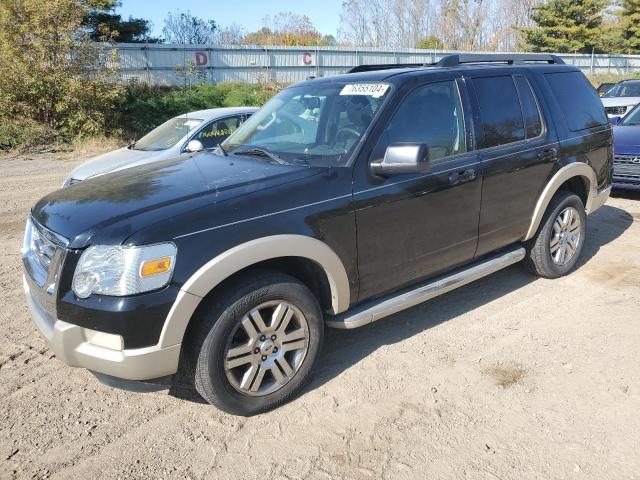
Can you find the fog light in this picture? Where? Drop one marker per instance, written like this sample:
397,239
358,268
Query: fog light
104,340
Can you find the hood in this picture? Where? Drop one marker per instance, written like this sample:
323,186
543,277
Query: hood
626,139
115,160
619,101
110,208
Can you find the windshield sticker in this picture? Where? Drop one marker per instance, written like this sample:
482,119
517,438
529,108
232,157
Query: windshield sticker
375,90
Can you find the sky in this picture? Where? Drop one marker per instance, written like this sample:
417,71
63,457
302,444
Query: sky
325,14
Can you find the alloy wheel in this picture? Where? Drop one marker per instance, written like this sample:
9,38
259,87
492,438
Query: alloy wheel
565,236
266,348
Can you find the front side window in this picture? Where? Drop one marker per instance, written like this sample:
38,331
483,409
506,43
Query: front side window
167,135
500,112
624,89
316,124
218,131
432,115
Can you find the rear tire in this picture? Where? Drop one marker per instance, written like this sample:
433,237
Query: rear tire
255,343
555,249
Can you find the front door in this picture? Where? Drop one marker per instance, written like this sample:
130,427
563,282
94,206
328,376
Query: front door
416,225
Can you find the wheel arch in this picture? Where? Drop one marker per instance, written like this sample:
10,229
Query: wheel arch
262,252
577,177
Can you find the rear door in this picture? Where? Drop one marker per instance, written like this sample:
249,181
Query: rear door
518,146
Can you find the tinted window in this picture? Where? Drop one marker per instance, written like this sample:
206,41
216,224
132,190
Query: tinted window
499,110
216,132
578,99
624,89
432,115
530,110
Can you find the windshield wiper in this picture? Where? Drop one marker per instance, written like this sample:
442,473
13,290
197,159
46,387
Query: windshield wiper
261,153
132,146
221,148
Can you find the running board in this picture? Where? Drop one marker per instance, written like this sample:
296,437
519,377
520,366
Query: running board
383,307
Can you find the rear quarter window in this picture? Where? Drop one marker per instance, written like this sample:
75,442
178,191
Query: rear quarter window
579,101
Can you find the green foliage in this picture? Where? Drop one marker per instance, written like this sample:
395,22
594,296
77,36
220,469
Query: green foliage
430,43
103,24
144,107
567,26
631,26
55,83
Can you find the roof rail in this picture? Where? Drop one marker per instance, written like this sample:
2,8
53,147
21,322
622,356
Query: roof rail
386,66
510,58
461,58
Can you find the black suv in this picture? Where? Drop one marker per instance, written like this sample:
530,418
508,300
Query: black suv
343,200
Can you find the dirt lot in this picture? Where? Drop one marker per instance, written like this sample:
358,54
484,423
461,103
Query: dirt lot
511,377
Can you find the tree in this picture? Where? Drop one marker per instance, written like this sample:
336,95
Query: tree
507,18
185,29
286,28
566,26
631,26
53,77
430,43
102,24
231,35
462,24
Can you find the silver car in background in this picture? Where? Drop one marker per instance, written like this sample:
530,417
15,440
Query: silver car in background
180,135
621,98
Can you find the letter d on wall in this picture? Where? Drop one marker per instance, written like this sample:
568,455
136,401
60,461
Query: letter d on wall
201,59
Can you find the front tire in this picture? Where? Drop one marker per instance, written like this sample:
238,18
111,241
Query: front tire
555,249
256,342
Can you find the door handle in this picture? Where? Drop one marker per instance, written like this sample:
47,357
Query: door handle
548,154
461,177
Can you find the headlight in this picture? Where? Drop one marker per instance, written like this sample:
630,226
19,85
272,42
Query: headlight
119,271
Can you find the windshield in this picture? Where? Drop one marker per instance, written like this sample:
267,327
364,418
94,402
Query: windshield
317,124
624,89
167,135
631,118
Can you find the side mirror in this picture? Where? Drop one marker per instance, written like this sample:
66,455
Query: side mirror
194,146
402,158
615,120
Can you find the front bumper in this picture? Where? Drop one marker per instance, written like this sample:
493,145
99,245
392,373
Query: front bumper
617,185
82,347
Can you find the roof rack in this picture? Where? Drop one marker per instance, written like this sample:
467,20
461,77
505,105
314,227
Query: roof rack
458,59
386,66
511,59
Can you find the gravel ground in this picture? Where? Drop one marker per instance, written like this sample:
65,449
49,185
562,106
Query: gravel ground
510,377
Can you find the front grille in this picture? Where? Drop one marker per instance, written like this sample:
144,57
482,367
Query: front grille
621,110
42,254
626,167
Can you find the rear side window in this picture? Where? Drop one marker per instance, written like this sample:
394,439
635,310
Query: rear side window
579,101
530,110
499,110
